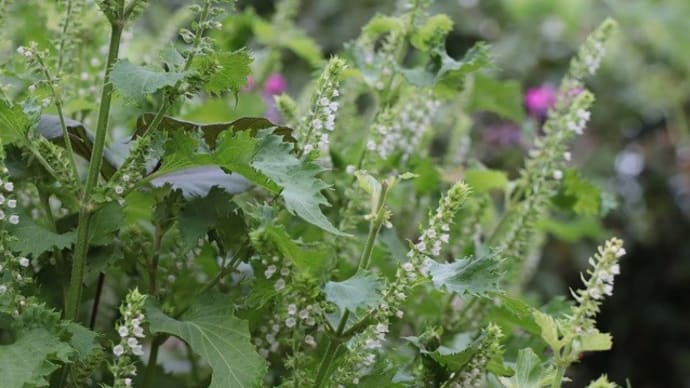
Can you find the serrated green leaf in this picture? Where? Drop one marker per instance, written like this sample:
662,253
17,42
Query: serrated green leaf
549,330
432,33
530,372
485,180
83,340
473,276
301,188
359,292
31,358
231,73
104,223
34,239
222,340
503,98
13,123
135,82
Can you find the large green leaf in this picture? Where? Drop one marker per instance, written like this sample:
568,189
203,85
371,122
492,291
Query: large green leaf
222,340
201,213
31,358
301,189
135,82
473,276
530,372
13,122
359,292
34,239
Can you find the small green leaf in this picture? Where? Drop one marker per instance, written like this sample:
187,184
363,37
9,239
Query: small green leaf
301,189
445,73
360,292
32,358
135,82
484,180
578,195
530,372
311,260
549,330
231,74
13,123
503,98
594,341
104,223
473,276
222,340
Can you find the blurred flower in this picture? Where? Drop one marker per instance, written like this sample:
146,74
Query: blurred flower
539,99
275,84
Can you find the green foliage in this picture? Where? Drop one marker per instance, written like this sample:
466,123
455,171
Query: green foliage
475,276
529,371
222,340
136,82
31,358
13,123
357,293
232,71
501,97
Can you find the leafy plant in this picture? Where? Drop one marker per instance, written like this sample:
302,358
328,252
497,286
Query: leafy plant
332,247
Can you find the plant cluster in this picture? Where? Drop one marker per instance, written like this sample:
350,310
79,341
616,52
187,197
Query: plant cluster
335,244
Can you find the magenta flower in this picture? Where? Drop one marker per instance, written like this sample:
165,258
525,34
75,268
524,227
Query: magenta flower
275,84
539,99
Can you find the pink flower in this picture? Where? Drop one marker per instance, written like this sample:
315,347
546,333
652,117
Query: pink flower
275,84
538,100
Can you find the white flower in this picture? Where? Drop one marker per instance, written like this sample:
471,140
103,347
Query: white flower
118,350
12,203
138,331
620,252
290,322
566,156
285,271
24,262
292,309
9,186
408,267
119,190
132,342
309,340
558,175
270,271
382,328
304,314
280,284
128,382
138,350
3,288
616,269
14,219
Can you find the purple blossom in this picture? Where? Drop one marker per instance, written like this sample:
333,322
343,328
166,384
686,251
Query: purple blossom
539,99
275,84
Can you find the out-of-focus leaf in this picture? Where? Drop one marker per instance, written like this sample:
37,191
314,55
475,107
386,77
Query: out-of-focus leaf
135,82
13,122
501,97
578,195
530,372
484,180
310,260
573,230
231,71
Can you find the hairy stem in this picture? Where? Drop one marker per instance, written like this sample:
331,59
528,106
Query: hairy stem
74,292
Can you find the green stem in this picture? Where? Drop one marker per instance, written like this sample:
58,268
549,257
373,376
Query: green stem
61,116
150,371
63,39
560,373
331,350
374,228
81,247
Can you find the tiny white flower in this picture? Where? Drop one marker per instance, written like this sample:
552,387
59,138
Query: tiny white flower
45,102
615,269
620,252
125,177
118,350
14,219
24,262
408,267
382,328
119,189
128,381
138,331
350,169
12,203
280,284
304,314
3,288
567,156
132,342
324,101
138,350
309,340
292,309
290,322
9,186
32,88
122,331
270,271
558,175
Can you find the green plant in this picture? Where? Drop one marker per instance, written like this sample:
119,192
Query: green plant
227,227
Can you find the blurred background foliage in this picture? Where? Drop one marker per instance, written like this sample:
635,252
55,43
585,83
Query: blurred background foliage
636,149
